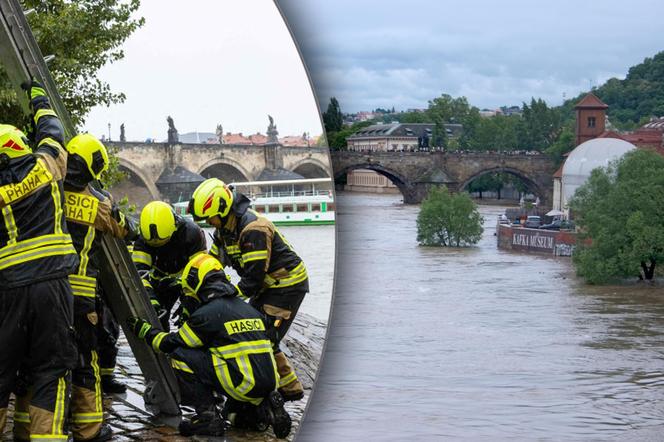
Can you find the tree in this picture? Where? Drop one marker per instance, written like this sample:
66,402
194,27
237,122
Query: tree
564,144
540,125
621,216
447,219
337,140
332,117
84,36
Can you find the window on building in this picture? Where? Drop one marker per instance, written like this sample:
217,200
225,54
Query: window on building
591,121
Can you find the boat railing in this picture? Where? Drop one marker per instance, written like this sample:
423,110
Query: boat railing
290,193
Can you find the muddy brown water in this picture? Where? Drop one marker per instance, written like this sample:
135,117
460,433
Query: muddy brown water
479,343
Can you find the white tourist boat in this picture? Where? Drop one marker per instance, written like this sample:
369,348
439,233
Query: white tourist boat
303,202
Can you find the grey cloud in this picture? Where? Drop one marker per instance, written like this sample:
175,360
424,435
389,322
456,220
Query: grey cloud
400,53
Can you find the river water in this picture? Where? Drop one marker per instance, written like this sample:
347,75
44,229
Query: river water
316,246
479,343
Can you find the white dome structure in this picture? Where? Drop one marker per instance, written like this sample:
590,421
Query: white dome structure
598,152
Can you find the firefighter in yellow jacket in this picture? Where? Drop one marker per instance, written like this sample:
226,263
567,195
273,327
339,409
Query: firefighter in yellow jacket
223,346
272,275
90,213
36,255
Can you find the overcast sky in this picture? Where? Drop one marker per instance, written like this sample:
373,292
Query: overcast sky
207,62
401,53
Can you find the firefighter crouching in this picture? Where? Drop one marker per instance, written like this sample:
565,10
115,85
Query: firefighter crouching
273,276
36,255
166,244
90,214
222,347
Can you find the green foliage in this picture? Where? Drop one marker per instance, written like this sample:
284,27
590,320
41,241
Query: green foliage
446,109
565,143
84,36
332,117
621,214
540,126
338,139
447,219
113,174
635,99
488,182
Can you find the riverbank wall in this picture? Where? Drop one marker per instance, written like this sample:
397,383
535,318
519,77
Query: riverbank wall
544,242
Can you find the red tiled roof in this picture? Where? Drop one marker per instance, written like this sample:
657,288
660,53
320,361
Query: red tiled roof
258,138
645,137
590,101
559,173
611,134
293,140
230,138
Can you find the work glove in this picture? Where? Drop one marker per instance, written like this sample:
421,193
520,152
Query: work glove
180,315
33,88
140,327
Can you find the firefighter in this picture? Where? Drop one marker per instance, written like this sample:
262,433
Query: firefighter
222,347
36,255
166,244
272,275
108,333
90,213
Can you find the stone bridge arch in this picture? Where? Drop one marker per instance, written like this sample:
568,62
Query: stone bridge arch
532,185
139,174
311,168
402,183
234,169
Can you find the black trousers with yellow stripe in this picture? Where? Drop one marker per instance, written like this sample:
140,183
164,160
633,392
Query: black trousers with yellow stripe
199,373
87,413
86,409
108,332
36,333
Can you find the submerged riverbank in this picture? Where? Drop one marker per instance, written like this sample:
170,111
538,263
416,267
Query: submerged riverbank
479,343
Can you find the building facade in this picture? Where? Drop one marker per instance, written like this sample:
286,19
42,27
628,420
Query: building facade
396,137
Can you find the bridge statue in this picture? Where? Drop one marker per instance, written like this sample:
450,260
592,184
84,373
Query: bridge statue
272,133
123,137
219,132
173,137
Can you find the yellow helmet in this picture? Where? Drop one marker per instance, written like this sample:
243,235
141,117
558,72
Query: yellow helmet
212,197
13,142
196,270
157,223
91,151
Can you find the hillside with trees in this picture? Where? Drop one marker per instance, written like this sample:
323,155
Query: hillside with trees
634,100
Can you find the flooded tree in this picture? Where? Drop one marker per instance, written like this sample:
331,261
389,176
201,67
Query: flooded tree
448,220
619,211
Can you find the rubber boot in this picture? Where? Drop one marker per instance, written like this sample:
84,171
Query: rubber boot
105,433
272,409
206,423
289,386
245,416
110,385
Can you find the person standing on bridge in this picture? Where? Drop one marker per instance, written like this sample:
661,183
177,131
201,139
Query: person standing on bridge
273,276
167,242
36,255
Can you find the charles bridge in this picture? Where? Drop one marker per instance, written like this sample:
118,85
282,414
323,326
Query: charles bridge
414,172
154,165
